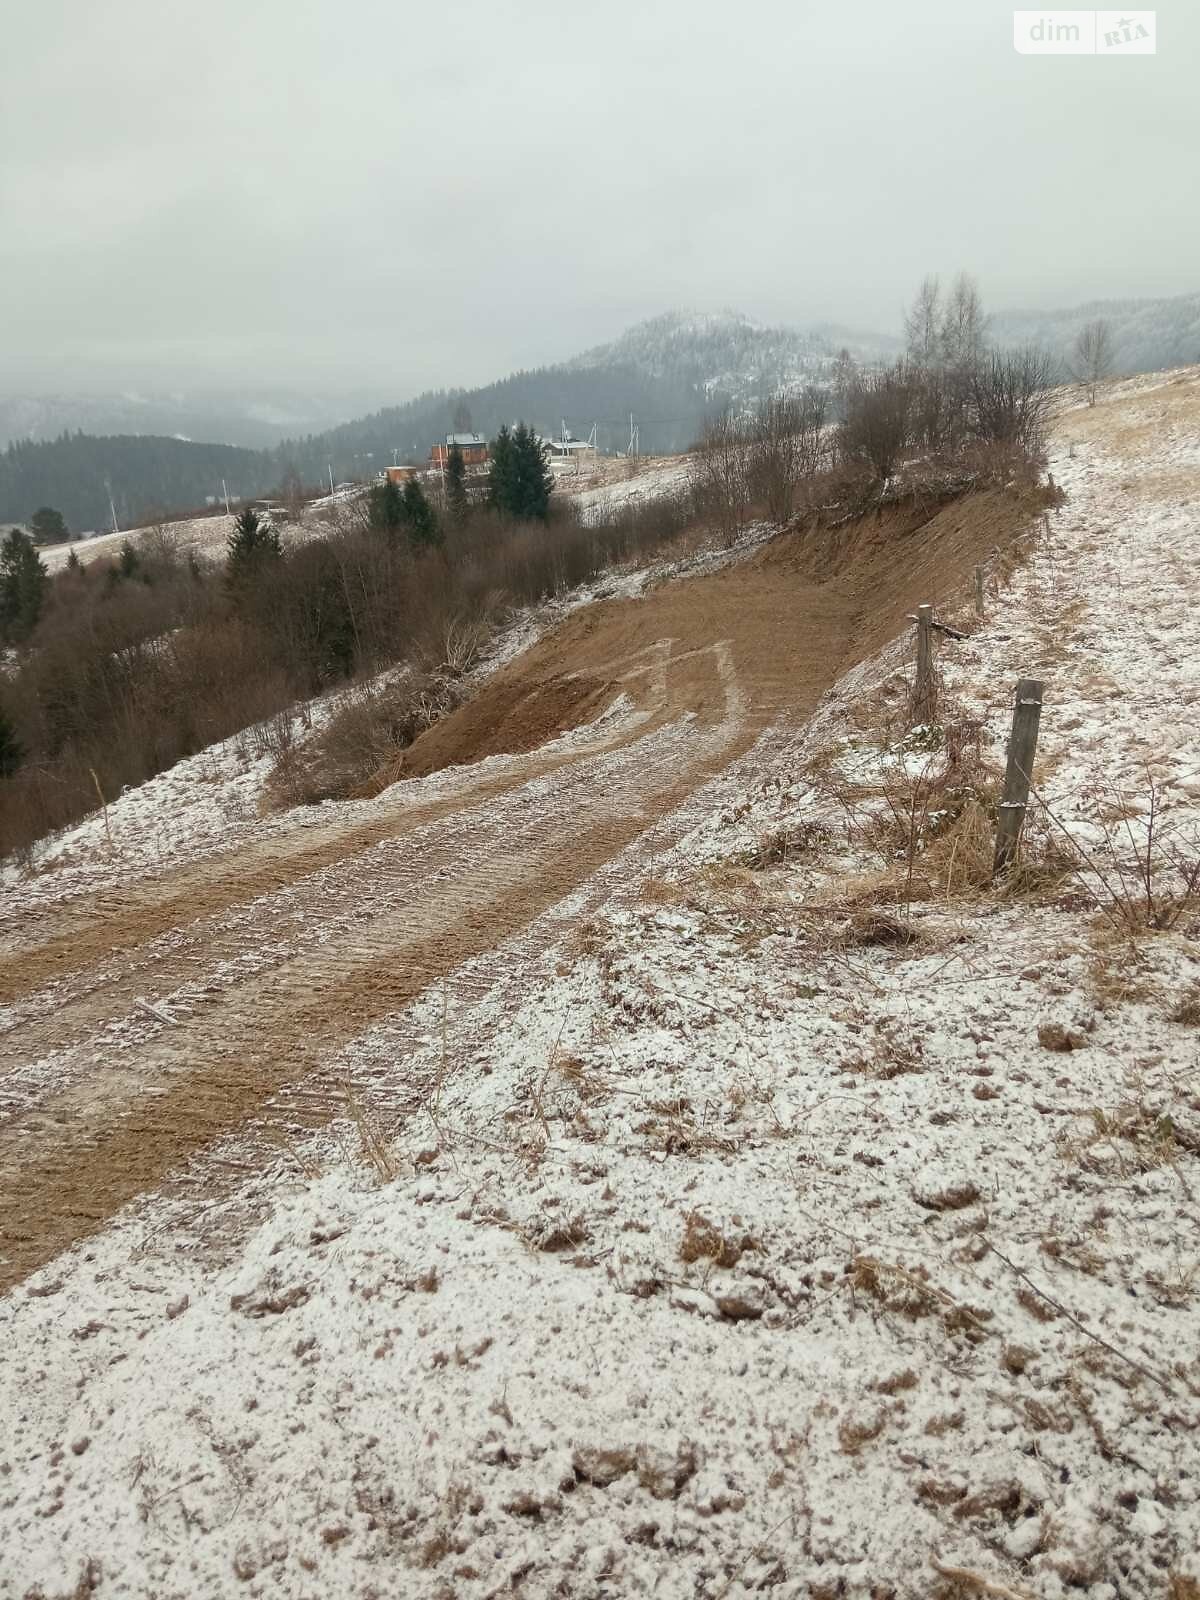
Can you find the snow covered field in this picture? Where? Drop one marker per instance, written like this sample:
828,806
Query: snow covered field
813,1221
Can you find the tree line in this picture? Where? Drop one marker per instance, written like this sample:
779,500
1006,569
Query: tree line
119,667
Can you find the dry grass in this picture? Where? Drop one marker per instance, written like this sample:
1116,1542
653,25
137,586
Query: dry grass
780,846
1187,1009
704,1240
373,1149
1128,1140
358,751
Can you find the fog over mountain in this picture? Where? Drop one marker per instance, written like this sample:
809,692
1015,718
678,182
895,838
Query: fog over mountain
670,372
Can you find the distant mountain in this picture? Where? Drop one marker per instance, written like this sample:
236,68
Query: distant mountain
74,473
1147,335
670,372
256,419
728,353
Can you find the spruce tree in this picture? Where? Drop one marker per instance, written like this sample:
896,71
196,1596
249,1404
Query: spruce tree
48,526
501,472
128,562
534,484
73,561
520,483
457,501
23,583
11,753
420,519
253,548
385,508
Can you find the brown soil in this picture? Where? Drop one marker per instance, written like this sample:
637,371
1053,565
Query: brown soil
275,957
510,715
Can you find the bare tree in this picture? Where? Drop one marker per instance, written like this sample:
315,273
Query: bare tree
923,322
1012,399
962,331
844,377
877,427
721,473
1092,357
787,447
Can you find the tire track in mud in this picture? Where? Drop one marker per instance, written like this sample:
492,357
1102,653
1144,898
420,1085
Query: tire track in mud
90,1149
290,951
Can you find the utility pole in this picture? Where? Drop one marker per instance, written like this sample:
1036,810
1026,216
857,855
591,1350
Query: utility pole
112,508
225,492
329,464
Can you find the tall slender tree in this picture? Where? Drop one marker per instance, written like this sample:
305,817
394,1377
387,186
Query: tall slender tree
457,501
23,583
420,519
11,752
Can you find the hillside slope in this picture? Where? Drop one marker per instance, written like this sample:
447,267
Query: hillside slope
728,1190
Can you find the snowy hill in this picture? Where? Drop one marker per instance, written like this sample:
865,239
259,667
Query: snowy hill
1147,335
776,1207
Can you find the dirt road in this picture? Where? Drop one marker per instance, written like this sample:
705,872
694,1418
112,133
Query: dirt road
139,1029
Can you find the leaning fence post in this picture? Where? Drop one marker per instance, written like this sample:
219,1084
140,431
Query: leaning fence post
979,605
1018,775
923,695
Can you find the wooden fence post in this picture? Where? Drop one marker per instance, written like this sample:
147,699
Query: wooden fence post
923,700
979,601
1018,775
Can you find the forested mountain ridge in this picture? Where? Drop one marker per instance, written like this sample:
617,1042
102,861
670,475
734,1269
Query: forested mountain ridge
1147,335
669,372
75,472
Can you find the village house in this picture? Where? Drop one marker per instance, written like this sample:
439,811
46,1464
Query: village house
473,446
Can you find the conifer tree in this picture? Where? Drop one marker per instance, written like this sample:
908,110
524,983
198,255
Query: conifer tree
23,582
533,481
420,519
48,526
73,561
457,502
128,561
502,472
520,483
385,508
11,753
253,548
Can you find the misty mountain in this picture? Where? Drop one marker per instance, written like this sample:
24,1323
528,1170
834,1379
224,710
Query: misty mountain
257,419
670,373
1147,335
147,475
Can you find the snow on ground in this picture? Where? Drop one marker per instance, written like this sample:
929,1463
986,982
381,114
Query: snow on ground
617,485
214,801
802,1230
203,537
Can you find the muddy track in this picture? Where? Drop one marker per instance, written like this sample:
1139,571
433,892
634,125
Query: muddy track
268,961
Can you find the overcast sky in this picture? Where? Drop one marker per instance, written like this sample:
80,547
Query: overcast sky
406,195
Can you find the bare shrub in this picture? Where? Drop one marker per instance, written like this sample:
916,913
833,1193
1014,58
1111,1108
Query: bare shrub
721,474
1012,399
878,422
787,447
